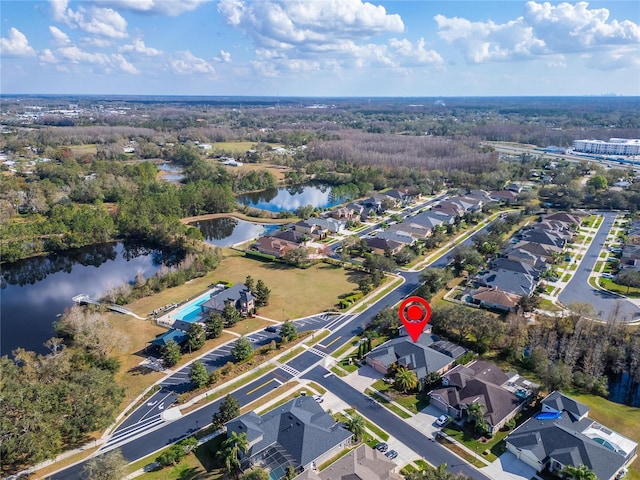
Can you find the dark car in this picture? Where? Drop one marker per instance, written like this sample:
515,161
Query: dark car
271,329
381,447
391,454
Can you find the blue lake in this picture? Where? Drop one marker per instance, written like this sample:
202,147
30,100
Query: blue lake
288,199
224,232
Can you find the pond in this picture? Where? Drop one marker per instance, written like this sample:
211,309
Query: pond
36,290
224,232
288,199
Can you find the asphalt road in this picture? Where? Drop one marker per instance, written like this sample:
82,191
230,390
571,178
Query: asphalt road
608,305
136,442
431,451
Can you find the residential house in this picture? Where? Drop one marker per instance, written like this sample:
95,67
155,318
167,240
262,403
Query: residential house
329,224
514,187
382,246
542,237
570,221
546,252
272,245
417,231
311,228
506,196
397,236
428,354
346,213
291,236
502,263
563,435
518,283
525,256
237,295
299,433
362,463
434,218
455,209
402,197
494,298
629,253
501,396
174,335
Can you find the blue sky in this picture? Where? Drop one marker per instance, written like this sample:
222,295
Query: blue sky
320,47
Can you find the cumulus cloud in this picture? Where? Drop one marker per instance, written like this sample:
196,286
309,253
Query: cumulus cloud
104,22
544,29
123,65
409,53
224,57
59,37
16,45
155,7
186,63
47,56
309,25
138,47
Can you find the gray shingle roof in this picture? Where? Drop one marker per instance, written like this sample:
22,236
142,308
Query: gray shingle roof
232,294
562,440
559,402
301,427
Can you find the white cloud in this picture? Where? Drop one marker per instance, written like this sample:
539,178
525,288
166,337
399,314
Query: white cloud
224,57
104,22
544,29
140,48
616,59
74,54
16,45
122,63
47,56
308,25
187,63
566,27
155,7
59,37
408,53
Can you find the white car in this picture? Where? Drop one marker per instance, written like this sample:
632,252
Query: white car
318,398
442,420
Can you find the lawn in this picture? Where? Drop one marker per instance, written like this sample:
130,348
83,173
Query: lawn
621,289
478,444
412,402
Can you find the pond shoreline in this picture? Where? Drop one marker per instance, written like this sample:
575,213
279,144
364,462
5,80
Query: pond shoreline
240,216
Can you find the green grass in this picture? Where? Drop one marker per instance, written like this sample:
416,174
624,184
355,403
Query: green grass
566,277
383,401
290,354
548,289
603,255
316,337
412,402
240,383
469,440
610,285
369,300
371,427
548,305
352,343
339,371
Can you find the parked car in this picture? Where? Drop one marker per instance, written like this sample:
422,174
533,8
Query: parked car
381,447
442,420
391,454
607,275
318,398
271,329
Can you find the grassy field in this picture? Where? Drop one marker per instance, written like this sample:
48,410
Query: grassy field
621,289
86,149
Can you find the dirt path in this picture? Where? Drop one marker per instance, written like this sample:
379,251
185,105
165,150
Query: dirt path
240,216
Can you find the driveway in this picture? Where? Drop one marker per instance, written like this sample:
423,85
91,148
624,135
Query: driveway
607,305
508,467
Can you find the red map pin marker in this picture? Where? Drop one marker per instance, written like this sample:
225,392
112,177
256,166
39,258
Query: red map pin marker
414,313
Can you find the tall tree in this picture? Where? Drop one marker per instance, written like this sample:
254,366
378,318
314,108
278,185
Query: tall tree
262,293
242,349
214,325
406,379
288,331
250,283
230,314
171,353
356,425
110,466
231,450
196,337
198,374
229,409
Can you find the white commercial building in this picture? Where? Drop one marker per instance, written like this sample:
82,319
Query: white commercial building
615,146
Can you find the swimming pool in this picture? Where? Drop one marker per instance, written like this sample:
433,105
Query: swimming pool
191,312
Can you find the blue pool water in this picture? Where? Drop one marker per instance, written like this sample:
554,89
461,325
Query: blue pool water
191,312
547,415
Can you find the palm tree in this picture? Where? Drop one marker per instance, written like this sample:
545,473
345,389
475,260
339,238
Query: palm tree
229,452
406,379
356,426
581,472
474,411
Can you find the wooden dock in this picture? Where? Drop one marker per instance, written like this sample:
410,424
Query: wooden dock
86,299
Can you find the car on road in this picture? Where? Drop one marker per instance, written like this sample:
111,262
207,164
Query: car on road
442,420
391,454
271,329
381,447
